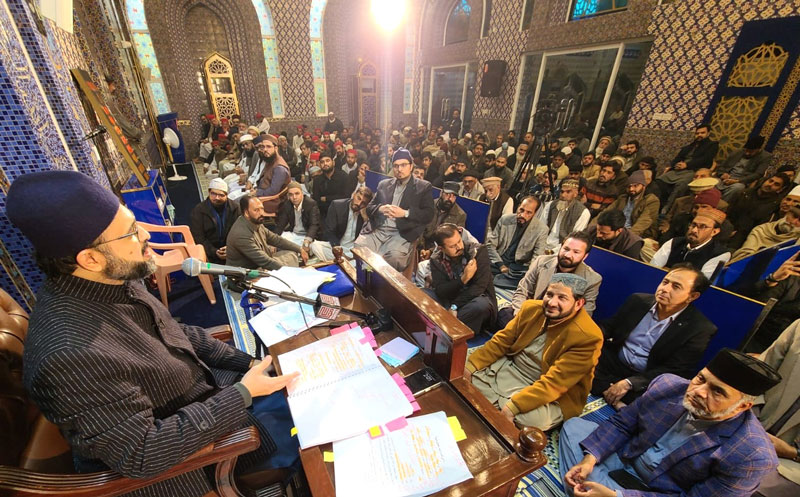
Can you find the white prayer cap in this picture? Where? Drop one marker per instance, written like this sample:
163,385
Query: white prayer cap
247,137
795,192
218,184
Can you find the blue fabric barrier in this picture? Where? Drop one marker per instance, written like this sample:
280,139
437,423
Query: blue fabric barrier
781,257
739,276
733,314
477,212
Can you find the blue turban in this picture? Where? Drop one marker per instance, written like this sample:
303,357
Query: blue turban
61,212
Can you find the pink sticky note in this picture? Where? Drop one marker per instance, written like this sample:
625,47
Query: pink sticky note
410,398
404,388
397,424
368,331
398,379
415,406
351,325
364,340
378,352
340,329
372,343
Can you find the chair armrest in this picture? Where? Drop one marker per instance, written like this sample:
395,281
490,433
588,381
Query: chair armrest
181,229
222,332
224,451
183,247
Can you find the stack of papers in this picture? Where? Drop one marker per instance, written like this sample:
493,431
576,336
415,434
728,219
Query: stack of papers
418,459
343,390
397,352
282,319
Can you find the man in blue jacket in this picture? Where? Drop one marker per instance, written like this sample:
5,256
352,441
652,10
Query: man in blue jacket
682,437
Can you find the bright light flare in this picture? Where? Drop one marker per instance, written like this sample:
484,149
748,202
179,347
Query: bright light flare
388,13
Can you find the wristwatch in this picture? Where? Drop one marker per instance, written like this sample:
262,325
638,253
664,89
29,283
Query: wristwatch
770,278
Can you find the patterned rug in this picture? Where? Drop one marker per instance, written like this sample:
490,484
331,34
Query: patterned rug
546,481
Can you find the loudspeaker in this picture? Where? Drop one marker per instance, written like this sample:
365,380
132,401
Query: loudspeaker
493,71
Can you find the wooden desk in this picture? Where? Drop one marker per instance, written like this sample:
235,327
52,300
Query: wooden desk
497,453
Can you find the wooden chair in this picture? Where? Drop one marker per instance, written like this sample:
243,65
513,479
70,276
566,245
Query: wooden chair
36,460
174,255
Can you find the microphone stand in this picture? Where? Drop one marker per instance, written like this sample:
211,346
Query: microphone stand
262,295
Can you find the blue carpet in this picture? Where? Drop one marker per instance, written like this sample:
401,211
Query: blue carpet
188,303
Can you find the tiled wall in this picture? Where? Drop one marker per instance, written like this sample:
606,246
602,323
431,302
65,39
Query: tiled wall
30,140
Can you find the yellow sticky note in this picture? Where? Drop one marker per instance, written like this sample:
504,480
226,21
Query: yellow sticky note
294,430
327,456
375,432
455,427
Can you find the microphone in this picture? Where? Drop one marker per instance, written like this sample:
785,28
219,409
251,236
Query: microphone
196,267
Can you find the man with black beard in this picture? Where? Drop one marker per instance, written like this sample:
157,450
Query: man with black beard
446,211
569,259
700,153
252,245
95,324
462,277
343,224
332,184
274,175
211,220
538,370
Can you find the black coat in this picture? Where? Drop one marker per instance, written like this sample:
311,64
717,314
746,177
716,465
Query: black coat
417,199
332,188
205,228
336,221
450,290
702,154
310,217
679,349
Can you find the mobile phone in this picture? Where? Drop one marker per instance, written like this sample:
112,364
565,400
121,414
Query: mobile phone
423,381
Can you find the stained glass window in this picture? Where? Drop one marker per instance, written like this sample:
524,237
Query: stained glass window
582,9
318,56
457,29
269,46
143,45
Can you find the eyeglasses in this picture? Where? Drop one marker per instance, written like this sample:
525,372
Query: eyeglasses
134,232
699,226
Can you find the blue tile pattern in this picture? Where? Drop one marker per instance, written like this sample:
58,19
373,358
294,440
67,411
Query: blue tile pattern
143,45
270,48
318,56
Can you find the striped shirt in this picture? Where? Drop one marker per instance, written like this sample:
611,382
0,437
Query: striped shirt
130,388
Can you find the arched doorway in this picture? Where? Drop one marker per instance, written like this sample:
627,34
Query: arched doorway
367,95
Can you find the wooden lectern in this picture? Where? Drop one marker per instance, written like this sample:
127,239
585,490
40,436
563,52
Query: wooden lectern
497,453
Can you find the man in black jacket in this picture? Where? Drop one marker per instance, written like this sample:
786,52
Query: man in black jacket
298,218
652,335
211,220
462,277
611,234
343,223
130,388
398,213
699,153
331,185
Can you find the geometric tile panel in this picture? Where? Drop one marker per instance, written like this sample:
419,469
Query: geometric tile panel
697,36
30,140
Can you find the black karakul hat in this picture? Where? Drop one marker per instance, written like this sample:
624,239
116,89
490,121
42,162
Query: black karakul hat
743,372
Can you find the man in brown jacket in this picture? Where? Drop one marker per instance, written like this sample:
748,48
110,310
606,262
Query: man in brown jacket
538,370
640,208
